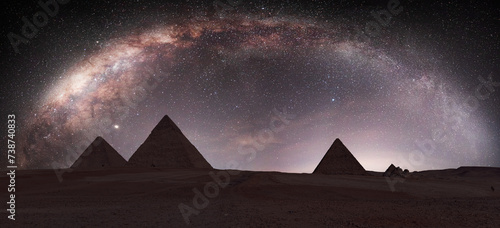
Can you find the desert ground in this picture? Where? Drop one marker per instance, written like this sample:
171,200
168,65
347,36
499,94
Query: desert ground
139,197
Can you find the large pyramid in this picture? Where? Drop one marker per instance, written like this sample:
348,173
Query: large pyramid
99,154
339,160
166,146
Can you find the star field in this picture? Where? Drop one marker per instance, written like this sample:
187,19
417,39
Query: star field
280,79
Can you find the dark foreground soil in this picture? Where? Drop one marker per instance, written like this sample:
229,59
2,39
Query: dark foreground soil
131,197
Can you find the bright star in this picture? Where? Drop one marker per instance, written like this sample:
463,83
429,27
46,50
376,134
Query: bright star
116,126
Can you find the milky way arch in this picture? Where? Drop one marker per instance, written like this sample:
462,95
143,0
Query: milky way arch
371,82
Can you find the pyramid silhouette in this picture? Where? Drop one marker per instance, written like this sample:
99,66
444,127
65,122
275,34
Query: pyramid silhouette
166,146
339,160
99,154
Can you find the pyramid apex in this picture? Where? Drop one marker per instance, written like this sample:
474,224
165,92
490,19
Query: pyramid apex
166,118
166,123
97,141
99,138
338,143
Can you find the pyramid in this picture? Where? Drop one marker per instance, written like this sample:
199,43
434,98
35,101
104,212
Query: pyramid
339,160
99,154
166,146
394,171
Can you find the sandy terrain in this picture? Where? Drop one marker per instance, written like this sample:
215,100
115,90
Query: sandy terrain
131,197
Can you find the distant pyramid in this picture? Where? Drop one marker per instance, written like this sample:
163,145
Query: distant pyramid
394,171
99,154
166,146
339,160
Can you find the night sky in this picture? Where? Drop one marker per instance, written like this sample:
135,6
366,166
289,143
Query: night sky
269,85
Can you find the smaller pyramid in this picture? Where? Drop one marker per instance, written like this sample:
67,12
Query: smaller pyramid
389,171
99,154
394,171
339,160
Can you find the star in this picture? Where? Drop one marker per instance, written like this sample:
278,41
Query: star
226,81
